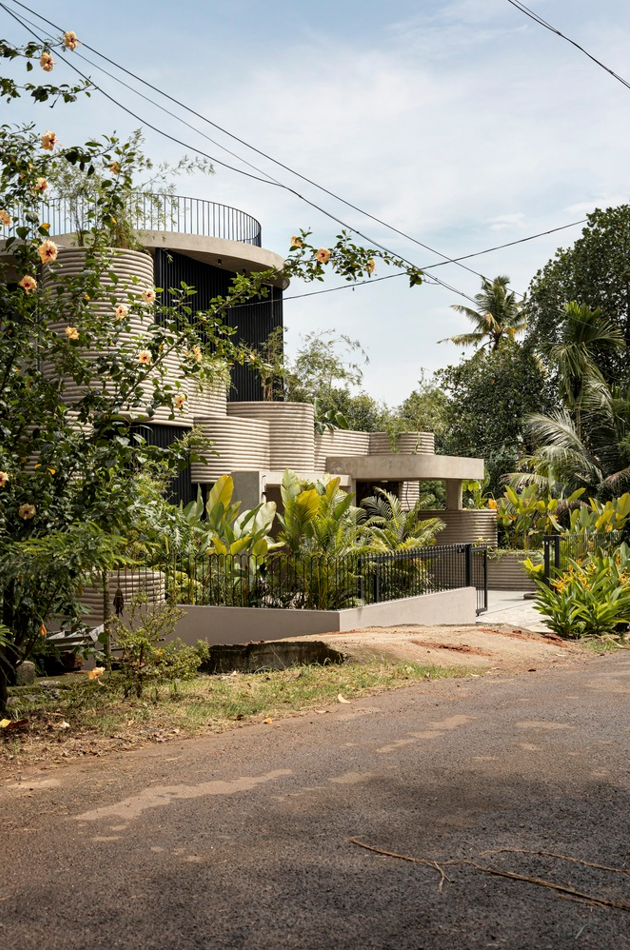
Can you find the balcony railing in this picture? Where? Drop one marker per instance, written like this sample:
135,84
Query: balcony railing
171,213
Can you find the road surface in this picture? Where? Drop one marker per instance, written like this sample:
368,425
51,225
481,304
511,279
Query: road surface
241,841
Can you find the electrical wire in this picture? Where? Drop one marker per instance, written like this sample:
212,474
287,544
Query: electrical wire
538,19
446,258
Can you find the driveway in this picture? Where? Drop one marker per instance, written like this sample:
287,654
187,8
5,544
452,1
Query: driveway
243,840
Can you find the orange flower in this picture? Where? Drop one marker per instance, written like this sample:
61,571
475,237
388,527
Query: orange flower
47,252
296,241
72,333
370,266
179,400
27,284
70,40
115,168
144,357
5,218
46,61
27,512
149,295
121,311
41,184
195,354
42,630
49,140
323,255
4,478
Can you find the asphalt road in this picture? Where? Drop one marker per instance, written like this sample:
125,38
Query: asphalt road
242,840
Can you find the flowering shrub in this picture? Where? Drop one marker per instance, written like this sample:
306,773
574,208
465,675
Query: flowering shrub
589,599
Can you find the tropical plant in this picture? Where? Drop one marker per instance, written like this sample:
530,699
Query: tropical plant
390,528
318,519
526,515
498,317
588,599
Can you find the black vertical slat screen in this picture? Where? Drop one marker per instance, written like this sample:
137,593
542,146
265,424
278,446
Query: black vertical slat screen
254,322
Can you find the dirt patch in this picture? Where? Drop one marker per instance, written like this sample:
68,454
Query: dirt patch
500,648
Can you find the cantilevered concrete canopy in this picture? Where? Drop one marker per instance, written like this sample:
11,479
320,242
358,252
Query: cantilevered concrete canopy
401,468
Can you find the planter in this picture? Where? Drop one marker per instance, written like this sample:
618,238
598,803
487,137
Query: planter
506,571
338,443
407,443
125,276
291,431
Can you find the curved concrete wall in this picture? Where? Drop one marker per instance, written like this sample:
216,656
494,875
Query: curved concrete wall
407,443
130,584
292,436
466,525
242,446
409,494
211,400
339,442
134,271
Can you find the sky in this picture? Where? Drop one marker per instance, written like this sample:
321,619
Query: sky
463,124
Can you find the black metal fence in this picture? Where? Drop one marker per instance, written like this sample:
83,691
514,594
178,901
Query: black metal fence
321,582
171,213
559,549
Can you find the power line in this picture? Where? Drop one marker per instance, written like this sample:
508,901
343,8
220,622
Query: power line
269,180
292,171
538,19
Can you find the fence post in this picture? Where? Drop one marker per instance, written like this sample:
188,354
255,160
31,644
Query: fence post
556,553
468,552
376,585
547,560
360,579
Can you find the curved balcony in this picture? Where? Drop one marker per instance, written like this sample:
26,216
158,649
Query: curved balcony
171,213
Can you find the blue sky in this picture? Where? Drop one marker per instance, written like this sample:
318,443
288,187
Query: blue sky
461,123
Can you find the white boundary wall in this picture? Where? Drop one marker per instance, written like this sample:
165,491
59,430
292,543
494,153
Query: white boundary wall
227,625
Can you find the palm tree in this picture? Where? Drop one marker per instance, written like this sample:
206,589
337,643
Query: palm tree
497,318
393,529
584,333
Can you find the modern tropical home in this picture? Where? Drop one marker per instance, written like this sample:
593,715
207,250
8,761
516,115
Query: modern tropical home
255,439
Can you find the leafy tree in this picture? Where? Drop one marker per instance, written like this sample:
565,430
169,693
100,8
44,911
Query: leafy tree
488,398
497,319
596,273
68,486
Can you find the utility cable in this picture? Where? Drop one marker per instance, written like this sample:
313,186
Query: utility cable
538,19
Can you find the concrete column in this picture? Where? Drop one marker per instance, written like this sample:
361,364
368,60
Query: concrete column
248,489
454,500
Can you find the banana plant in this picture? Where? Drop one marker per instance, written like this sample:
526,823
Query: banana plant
225,530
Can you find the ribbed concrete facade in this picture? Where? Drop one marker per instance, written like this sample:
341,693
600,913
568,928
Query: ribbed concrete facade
466,525
242,445
151,582
134,273
292,433
339,442
207,400
407,443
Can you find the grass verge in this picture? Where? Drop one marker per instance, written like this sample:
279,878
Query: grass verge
68,717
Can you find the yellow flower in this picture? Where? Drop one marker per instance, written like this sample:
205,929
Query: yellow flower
323,255
144,357
96,672
70,40
371,266
42,630
492,503
179,400
4,478
72,333
41,184
121,311
5,218
296,241
47,252
46,61
27,512
149,295
49,140
27,284
195,353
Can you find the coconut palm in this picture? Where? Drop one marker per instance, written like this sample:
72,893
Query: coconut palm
497,318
